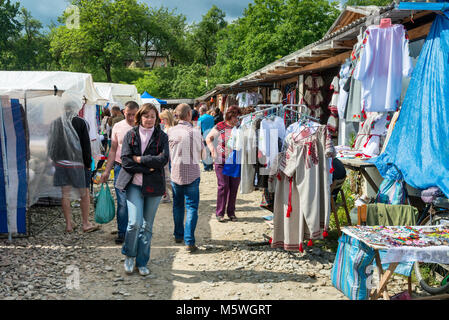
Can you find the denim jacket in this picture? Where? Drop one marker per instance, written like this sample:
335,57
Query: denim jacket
153,161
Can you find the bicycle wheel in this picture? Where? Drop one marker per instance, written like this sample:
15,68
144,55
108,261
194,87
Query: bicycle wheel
433,277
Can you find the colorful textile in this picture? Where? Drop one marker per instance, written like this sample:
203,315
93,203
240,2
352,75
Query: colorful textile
350,273
397,236
14,189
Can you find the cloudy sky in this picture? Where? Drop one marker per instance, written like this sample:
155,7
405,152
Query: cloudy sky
49,10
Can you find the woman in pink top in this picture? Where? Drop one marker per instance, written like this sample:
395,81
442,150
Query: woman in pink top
144,155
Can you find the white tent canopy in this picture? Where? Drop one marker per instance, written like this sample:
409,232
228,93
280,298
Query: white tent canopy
117,93
35,91
154,102
80,85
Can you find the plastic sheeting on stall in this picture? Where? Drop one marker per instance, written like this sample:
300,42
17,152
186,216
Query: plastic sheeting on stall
419,142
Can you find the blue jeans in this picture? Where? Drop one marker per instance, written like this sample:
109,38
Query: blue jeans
122,207
141,211
186,197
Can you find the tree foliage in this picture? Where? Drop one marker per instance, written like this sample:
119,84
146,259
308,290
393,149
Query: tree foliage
269,30
10,29
184,81
205,35
379,3
113,33
105,38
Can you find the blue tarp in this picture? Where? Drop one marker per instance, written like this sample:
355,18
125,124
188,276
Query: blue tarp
419,144
439,5
146,95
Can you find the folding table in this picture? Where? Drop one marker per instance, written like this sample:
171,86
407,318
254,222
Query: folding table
399,253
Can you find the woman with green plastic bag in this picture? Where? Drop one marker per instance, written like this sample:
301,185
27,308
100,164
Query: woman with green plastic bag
145,153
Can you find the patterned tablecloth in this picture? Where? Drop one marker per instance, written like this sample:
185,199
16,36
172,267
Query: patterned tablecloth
404,243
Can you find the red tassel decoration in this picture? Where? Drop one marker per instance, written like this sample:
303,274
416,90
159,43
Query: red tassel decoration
366,143
325,234
290,209
310,243
279,176
270,241
300,248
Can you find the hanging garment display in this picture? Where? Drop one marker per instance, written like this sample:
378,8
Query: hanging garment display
418,143
246,99
275,96
344,75
353,110
313,97
271,135
302,196
372,133
332,122
384,60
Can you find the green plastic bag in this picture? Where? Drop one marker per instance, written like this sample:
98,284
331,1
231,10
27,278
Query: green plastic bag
104,205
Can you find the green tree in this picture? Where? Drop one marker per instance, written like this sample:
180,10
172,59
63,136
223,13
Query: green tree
31,46
9,30
269,30
183,81
168,36
204,35
105,39
379,3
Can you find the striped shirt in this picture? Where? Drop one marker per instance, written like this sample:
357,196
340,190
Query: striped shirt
186,144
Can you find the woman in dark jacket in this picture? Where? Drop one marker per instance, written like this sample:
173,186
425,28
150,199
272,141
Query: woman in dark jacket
145,152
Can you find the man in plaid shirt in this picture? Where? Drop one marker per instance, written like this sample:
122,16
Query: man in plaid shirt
186,151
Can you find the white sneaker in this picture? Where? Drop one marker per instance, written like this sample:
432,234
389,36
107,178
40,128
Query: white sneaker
129,265
166,199
144,271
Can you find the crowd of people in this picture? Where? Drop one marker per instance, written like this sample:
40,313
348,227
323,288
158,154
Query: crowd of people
155,158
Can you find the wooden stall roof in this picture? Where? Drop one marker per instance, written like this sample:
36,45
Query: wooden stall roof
331,51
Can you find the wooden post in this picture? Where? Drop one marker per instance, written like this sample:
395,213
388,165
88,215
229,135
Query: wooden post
334,210
343,198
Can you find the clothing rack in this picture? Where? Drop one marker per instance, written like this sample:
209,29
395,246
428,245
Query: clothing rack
303,114
282,107
267,106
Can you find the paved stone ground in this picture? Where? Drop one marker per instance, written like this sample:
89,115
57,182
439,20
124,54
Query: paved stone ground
227,266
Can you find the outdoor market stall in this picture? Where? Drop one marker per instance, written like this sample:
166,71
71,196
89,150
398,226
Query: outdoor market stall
31,101
118,93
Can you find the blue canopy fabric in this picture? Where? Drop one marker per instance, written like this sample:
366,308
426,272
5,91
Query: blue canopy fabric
419,144
439,5
146,95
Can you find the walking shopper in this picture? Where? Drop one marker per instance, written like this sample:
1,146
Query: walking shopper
186,149
218,117
206,123
145,153
114,161
69,149
117,116
227,186
167,122
105,129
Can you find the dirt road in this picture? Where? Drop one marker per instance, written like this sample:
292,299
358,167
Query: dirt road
227,266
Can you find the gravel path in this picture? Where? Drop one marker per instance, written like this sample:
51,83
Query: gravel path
54,265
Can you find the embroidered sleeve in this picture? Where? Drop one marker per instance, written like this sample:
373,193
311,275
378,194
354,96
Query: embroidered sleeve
330,150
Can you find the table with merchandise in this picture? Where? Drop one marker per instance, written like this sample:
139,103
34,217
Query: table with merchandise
428,244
